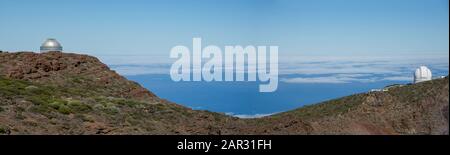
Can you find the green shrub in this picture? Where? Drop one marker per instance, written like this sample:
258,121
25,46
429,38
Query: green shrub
4,130
108,108
111,110
127,102
64,109
39,99
87,118
41,109
98,107
19,115
77,106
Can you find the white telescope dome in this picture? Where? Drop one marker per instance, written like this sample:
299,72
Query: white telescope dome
51,45
422,74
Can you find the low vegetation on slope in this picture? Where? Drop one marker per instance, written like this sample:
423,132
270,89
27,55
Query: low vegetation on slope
31,108
413,109
60,93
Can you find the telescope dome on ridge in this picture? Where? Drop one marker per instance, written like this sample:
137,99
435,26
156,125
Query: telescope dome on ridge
422,74
51,45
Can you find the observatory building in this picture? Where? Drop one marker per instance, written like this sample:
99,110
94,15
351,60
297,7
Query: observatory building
51,45
422,74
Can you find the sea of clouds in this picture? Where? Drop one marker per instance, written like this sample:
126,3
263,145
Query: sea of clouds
307,69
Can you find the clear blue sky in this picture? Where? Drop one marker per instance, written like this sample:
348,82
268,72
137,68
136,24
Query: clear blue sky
305,27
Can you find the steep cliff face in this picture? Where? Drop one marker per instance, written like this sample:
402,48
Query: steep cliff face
61,93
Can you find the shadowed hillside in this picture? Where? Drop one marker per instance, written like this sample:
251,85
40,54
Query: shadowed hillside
61,93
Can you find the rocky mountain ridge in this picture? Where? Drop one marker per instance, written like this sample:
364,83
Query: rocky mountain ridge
64,93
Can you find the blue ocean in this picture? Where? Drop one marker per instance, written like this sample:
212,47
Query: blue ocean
301,81
244,99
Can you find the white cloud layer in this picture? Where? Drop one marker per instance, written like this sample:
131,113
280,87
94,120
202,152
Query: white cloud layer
249,116
399,78
308,69
327,79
